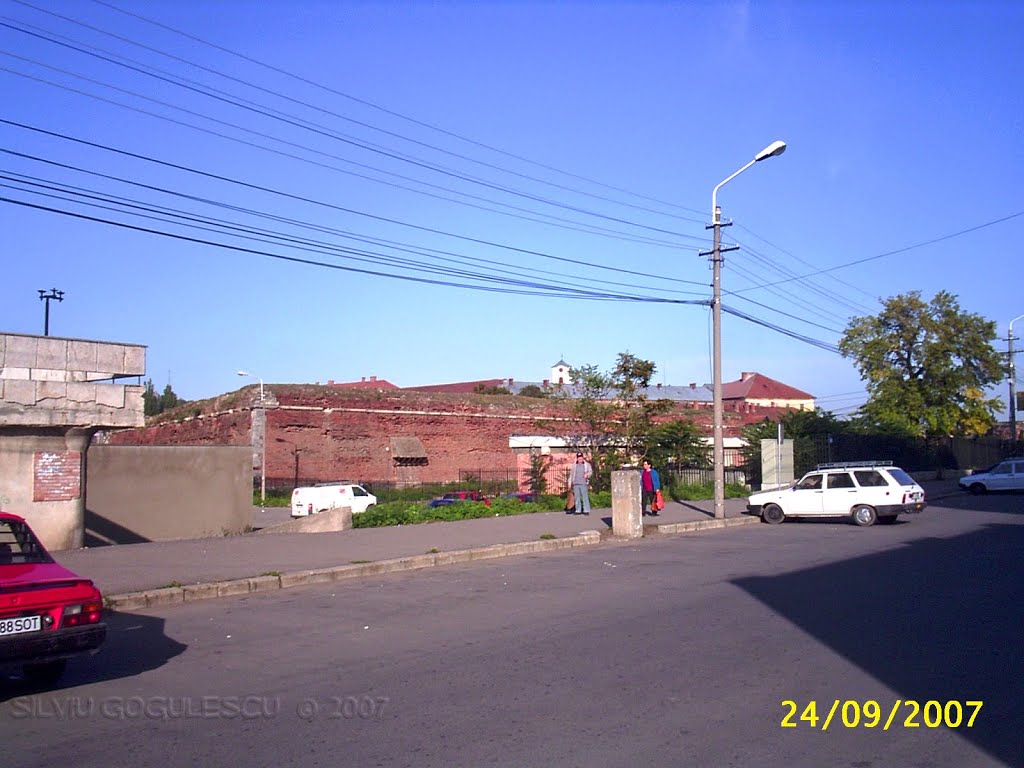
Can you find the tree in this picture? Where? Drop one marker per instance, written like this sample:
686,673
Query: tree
484,389
678,442
150,399
925,366
153,404
168,399
532,390
618,417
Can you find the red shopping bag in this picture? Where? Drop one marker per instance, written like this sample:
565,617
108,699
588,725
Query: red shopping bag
659,501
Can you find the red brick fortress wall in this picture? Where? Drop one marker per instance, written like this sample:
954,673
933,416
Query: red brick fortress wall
347,433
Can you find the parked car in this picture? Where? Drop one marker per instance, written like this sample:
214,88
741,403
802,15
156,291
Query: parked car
1007,475
48,614
311,499
524,496
453,497
863,491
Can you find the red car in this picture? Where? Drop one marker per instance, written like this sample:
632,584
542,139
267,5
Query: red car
47,613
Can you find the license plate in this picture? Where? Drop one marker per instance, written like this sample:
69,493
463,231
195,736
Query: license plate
20,624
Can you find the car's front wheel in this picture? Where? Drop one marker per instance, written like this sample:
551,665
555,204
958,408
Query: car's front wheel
977,489
863,515
772,513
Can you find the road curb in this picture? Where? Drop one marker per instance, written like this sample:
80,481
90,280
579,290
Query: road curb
701,525
152,598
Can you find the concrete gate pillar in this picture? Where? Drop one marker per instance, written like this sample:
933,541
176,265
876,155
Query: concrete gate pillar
43,480
627,512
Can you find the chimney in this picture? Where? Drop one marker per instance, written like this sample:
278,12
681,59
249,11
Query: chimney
373,378
659,385
363,379
746,375
330,381
693,385
511,381
546,382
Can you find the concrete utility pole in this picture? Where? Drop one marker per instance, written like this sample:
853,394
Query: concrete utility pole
55,295
263,451
772,150
1013,386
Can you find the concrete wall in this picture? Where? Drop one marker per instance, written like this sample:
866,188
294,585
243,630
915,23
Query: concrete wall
42,479
54,382
153,493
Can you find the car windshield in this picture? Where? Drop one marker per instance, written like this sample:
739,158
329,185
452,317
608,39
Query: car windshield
19,546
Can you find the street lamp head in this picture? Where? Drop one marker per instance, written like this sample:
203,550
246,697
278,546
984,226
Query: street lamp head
773,149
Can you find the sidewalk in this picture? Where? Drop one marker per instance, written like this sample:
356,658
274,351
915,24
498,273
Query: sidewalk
135,576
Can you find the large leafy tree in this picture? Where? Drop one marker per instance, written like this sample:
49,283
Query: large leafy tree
925,366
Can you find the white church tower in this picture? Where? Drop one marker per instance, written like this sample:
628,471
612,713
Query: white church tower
560,373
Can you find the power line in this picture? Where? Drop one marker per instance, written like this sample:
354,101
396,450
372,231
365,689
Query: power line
550,291
260,110
933,241
377,107
567,223
305,199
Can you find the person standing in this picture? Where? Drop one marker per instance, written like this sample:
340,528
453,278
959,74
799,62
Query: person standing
650,484
579,479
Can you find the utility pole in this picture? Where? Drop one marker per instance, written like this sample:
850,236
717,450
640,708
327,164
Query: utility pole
718,438
774,149
1013,386
55,295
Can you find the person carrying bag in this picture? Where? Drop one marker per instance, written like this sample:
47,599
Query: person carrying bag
651,499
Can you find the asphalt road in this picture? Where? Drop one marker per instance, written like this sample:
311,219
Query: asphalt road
672,651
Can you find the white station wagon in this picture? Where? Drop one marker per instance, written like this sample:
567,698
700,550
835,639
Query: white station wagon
864,491
311,499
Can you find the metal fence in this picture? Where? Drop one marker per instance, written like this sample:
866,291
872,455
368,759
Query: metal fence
941,454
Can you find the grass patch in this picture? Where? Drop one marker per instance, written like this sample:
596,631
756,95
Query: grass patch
705,491
548,536
172,585
433,551
360,562
271,573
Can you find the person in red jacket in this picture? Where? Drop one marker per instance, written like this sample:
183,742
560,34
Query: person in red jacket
650,484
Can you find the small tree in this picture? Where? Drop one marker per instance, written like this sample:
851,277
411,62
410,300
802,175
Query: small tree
532,390
150,399
677,442
617,415
538,476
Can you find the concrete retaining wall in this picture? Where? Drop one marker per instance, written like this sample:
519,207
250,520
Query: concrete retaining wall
153,493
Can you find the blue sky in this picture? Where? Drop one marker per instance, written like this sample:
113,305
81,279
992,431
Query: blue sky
571,146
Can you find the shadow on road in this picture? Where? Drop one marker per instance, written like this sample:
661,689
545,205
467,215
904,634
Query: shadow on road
936,620
135,643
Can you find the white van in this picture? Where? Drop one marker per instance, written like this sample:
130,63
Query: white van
323,496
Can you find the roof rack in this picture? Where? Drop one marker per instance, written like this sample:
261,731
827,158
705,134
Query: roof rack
846,464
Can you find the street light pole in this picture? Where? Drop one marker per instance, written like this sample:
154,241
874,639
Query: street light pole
53,295
718,456
1013,385
263,450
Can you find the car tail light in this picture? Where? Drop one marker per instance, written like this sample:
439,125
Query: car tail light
81,614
